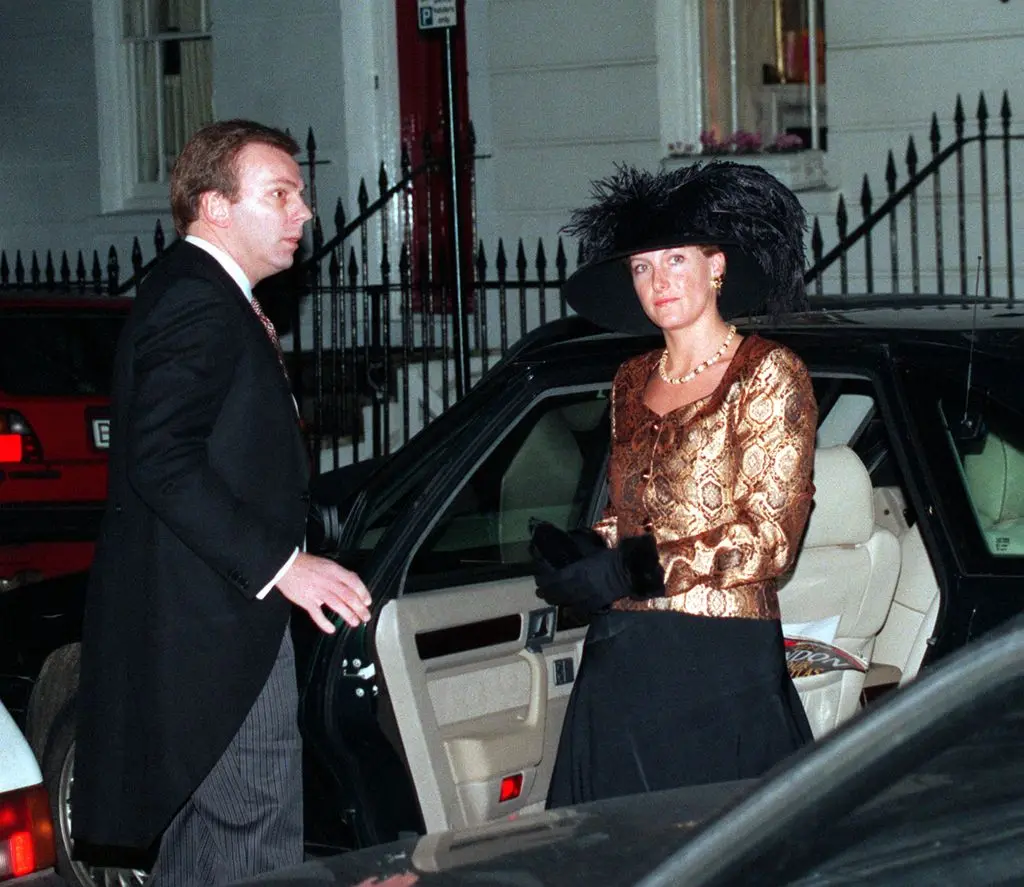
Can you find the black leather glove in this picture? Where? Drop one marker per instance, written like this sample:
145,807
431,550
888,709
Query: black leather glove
598,575
553,548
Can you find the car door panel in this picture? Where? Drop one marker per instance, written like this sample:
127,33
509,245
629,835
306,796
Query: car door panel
468,718
476,677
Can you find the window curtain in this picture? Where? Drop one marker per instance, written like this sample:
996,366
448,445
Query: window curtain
172,79
755,51
187,76
754,34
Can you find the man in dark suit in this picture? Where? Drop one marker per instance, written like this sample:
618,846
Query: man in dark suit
187,739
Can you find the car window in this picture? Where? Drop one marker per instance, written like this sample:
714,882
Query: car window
391,506
51,354
988,440
849,415
546,467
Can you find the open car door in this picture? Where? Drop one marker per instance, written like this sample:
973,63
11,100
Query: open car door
477,669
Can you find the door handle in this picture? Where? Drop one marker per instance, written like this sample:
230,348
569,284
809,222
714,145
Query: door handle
540,628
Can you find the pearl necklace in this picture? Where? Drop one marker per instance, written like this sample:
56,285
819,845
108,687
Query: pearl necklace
697,370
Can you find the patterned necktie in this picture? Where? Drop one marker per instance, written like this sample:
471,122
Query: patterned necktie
271,333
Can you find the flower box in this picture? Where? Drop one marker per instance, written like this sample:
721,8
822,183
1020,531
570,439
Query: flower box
797,170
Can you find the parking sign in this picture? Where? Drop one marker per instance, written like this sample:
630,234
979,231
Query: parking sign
437,14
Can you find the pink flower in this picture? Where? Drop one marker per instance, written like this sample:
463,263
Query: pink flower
744,142
740,142
785,141
711,145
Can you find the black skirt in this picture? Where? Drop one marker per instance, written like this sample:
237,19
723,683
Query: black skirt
664,700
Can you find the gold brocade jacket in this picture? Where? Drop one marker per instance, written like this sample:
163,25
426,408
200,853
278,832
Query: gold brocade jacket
724,483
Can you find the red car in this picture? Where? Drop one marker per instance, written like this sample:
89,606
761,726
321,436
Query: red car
56,365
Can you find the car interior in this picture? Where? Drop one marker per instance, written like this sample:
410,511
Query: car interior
479,670
994,476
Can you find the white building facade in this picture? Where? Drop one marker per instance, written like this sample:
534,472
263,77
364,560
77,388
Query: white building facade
558,93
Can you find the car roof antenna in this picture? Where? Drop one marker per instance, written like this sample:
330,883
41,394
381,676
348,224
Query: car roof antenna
971,424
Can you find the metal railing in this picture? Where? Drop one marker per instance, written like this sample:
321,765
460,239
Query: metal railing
367,317
979,180
92,278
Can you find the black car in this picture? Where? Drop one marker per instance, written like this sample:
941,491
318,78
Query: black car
925,788
444,712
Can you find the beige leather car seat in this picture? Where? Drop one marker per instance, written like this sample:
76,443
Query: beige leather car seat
995,479
540,482
847,568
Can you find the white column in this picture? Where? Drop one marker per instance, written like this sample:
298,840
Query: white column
812,66
370,66
734,87
680,80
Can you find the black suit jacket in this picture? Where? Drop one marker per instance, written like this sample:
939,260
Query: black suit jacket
207,500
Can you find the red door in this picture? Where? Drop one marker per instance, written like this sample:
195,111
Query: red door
423,100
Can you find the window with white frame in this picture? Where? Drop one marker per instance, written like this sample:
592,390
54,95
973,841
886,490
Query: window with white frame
757,55
736,74
169,59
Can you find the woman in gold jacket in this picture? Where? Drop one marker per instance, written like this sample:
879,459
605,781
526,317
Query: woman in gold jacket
684,679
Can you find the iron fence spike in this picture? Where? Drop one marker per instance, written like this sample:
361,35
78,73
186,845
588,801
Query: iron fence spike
982,113
817,242
959,117
865,195
911,158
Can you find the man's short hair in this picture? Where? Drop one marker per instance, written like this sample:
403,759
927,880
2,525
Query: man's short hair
208,163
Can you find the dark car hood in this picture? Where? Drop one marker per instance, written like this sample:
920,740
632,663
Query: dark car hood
623,839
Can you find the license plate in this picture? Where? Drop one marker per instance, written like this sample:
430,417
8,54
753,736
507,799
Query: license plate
101,434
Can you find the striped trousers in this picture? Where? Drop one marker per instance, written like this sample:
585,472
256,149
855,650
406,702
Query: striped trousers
246,816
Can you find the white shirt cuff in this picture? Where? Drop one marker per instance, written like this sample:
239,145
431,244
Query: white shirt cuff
266,588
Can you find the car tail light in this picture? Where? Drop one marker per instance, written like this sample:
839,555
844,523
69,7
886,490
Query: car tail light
18,442
26,833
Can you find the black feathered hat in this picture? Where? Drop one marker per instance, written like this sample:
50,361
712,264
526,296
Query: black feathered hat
756,220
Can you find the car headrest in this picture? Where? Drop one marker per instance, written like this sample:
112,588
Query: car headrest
995,477
843,512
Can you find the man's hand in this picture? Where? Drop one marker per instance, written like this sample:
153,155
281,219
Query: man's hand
314,582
